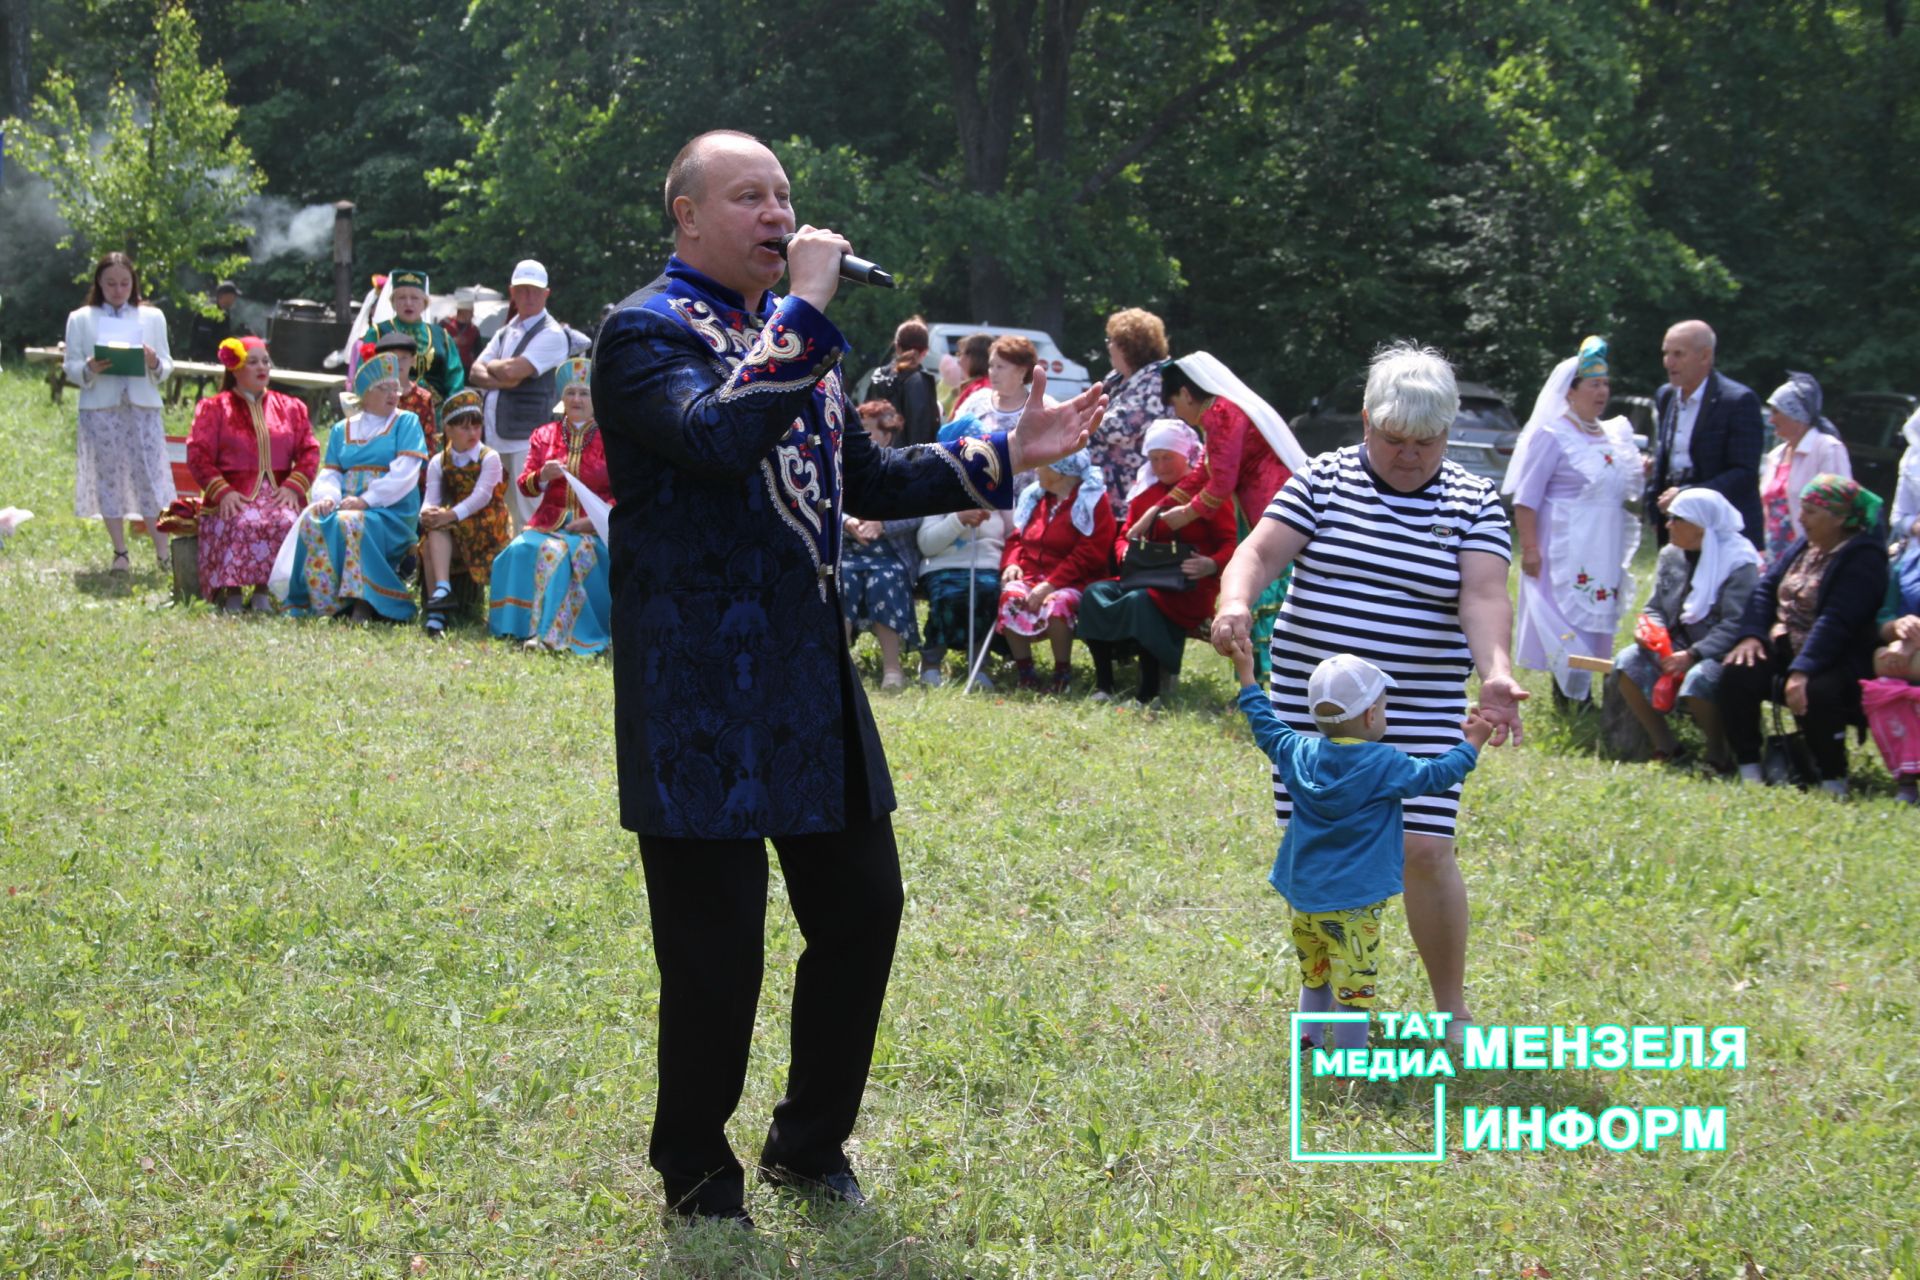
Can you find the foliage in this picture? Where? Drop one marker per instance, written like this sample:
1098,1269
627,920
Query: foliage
307,974
165,176
1287,183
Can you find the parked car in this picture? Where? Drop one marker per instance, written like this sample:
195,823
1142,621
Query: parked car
1870,423
1482,438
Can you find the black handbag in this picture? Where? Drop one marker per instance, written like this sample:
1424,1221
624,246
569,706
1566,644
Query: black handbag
1787,760
1156,564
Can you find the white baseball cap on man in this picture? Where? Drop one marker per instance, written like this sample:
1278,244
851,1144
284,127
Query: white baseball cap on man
1349,683
529,272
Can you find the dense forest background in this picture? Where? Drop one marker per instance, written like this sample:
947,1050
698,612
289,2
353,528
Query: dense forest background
1288,184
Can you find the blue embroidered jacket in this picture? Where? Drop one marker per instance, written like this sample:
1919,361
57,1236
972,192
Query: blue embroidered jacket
734,455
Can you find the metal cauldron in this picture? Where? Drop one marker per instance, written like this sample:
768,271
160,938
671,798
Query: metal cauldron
302,334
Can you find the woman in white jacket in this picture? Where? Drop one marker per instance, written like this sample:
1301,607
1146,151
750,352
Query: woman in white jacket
121,466
1809,446
960,565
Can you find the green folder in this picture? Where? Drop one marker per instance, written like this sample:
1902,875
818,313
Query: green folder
122,360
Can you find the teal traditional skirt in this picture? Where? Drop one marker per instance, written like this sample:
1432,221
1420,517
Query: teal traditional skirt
1266,610
352,555
552,587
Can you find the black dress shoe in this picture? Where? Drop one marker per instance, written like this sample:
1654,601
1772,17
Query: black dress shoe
840,1186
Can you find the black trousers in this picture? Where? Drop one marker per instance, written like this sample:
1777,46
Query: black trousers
708,900
1833,703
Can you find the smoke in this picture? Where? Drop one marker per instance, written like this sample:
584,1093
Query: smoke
253,315
282,228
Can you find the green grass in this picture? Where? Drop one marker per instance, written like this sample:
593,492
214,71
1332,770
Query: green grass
303,974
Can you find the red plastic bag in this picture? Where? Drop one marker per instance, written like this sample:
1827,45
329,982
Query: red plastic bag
1657,639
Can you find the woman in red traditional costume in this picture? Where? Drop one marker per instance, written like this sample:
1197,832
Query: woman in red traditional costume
253,452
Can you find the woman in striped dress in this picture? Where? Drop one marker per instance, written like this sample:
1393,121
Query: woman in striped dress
1399,557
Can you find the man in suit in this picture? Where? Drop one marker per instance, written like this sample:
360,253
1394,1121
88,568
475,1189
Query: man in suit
738,715
1710,432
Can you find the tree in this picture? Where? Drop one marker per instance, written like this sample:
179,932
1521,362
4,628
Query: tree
165,175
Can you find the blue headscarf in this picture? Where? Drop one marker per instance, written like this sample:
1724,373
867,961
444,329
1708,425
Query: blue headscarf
961,428
1093,488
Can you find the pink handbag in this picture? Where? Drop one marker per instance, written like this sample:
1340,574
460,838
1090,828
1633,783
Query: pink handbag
1893,717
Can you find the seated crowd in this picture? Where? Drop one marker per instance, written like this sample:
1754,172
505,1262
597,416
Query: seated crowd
484,478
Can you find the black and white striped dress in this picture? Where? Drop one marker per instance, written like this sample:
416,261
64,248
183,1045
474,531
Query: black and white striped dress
1380,578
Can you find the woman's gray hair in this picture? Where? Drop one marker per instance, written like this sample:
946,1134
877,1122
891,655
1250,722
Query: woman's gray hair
1411,391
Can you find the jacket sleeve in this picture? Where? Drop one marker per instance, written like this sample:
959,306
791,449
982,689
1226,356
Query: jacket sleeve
1270,733
1430,775
1010,551
1226,441
1215,537
1850,600
540,451
1764,603
1092,554
79,349
306,453
155,323
203,445
1734,594
1666,570
1740,458
658,389
925,479
456,375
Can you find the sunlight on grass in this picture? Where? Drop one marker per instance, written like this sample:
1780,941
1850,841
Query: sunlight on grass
304,974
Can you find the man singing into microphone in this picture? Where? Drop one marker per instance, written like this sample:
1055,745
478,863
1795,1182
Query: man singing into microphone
738,716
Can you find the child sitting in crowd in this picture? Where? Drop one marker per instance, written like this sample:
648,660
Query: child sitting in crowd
465,516
1341,856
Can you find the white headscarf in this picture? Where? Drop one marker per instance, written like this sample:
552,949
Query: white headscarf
1724,549
1216,379
1910,460
1548,408
1165,433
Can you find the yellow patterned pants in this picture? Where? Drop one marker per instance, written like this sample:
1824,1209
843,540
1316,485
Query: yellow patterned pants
1342,947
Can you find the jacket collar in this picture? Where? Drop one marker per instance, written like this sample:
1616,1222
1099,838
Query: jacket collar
706,284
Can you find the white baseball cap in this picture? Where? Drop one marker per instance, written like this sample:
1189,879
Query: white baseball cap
529,272
1349,683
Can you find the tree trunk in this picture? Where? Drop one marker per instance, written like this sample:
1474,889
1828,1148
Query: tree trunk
17,27
986,123
1060,24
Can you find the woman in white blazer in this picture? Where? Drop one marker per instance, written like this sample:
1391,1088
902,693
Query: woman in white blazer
121,467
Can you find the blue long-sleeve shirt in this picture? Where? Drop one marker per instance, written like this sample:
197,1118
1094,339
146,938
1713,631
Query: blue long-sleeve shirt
1345,844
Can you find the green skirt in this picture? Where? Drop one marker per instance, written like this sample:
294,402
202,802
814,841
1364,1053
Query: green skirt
1111,614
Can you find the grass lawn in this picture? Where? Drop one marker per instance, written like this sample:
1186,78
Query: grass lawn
322,953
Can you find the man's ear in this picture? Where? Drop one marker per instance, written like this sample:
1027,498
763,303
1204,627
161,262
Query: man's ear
685,217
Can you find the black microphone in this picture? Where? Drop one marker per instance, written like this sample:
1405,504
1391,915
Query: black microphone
851,268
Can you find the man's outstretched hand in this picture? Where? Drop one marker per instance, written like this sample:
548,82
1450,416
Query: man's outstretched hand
1047,433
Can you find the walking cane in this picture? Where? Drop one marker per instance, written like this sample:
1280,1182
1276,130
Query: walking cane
977,660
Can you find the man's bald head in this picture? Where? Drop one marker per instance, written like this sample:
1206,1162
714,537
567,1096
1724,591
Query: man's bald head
1687,352
687,176
1697,334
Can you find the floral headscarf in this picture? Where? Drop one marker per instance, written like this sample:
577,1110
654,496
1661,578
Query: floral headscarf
1092,491
1857,508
